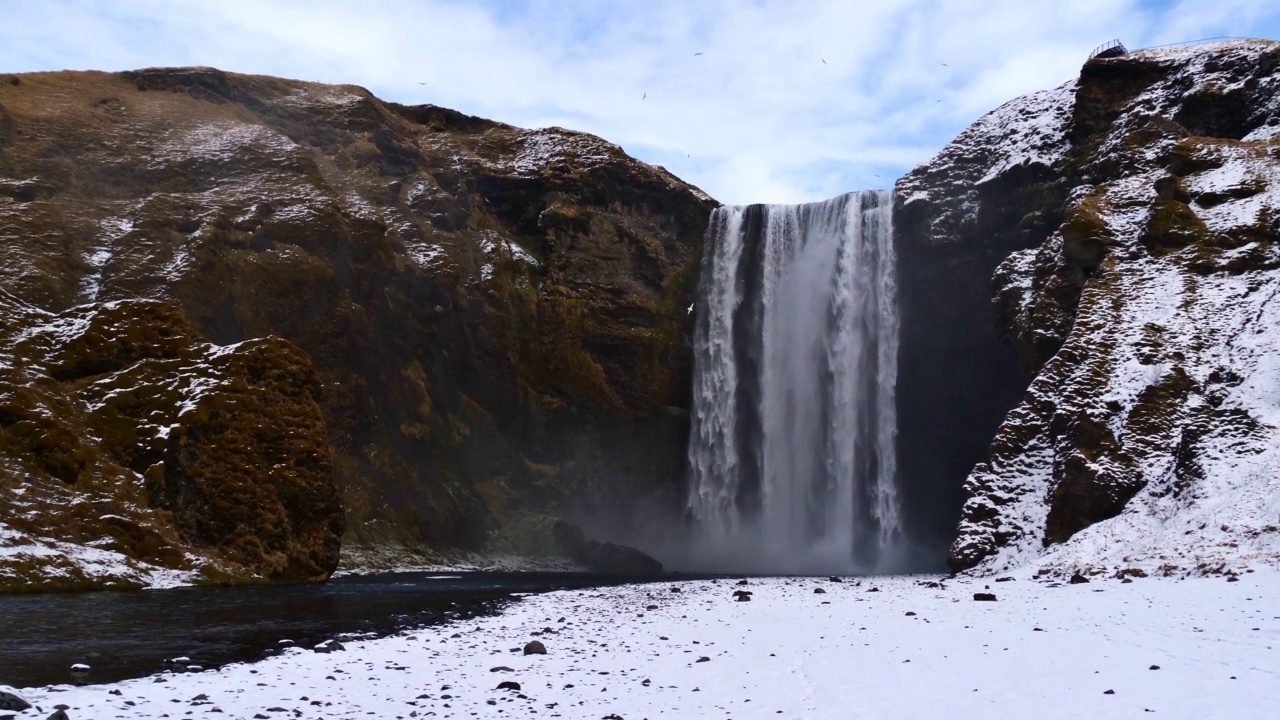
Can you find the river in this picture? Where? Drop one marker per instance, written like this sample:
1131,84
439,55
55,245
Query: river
125,635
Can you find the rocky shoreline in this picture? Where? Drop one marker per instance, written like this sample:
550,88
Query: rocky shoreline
691,648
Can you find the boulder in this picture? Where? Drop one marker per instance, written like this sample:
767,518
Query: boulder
223,449
601,557
10,699
535,647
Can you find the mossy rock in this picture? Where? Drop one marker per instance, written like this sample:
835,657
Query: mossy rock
1086,239
1172,226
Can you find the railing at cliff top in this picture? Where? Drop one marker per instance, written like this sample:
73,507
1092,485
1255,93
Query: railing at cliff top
1113,48
1192,43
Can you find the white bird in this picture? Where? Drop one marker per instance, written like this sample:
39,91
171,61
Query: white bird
690,309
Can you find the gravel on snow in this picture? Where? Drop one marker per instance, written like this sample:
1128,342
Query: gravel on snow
1064,651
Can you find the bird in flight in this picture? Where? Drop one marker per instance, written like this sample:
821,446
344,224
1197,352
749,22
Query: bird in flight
824,60
644,96
696,54
690,309
422,83
944,65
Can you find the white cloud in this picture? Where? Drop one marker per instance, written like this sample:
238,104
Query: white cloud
789,101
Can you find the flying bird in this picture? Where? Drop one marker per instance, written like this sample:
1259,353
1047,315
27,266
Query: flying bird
696,54
690,309
824,60
944,65
644,96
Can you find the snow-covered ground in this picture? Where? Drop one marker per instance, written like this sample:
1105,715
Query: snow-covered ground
911,648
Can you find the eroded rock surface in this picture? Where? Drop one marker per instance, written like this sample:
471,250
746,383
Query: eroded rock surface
134,453
1143,304
497,317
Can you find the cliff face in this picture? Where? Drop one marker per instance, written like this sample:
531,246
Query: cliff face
1141,204
496,317
133,453
994,190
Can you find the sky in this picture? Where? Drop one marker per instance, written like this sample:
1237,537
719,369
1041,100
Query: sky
751,100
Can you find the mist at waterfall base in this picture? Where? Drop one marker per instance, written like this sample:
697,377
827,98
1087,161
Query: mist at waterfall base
792,444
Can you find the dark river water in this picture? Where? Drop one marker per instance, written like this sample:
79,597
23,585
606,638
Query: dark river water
129,634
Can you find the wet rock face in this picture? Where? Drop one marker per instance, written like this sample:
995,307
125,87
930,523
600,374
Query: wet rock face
994,190
1140,307
131,449
497,317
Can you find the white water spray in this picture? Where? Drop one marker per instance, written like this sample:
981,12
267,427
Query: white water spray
792,447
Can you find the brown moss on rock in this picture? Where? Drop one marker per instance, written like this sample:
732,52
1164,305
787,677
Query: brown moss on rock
247,472
1162,263
1172,226
1093,479
424,260
122,431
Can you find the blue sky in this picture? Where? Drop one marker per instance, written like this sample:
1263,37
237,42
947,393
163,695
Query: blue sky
790,100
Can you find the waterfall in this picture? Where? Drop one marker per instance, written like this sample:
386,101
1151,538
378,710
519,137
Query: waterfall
792,443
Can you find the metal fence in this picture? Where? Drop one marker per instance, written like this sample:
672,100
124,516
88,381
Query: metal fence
1191,43
1110,48
1115,48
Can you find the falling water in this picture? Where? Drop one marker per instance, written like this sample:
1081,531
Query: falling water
792,446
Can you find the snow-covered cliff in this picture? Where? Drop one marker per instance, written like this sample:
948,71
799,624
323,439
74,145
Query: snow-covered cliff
1140,291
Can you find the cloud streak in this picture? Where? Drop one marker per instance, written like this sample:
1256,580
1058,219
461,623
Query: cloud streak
787,102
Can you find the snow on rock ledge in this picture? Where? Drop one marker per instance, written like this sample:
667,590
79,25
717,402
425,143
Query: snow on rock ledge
133,454
1149,437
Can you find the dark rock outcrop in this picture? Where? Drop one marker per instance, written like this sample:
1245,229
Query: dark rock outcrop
1133,214
496,317
130,447
602,557
994,190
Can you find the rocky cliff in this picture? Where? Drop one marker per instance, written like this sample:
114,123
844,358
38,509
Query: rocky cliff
133,453
465,324
1134,214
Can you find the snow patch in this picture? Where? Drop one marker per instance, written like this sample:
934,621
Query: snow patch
222,141
538,149
67,560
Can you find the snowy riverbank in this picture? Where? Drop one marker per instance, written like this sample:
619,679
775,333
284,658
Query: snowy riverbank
907,649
